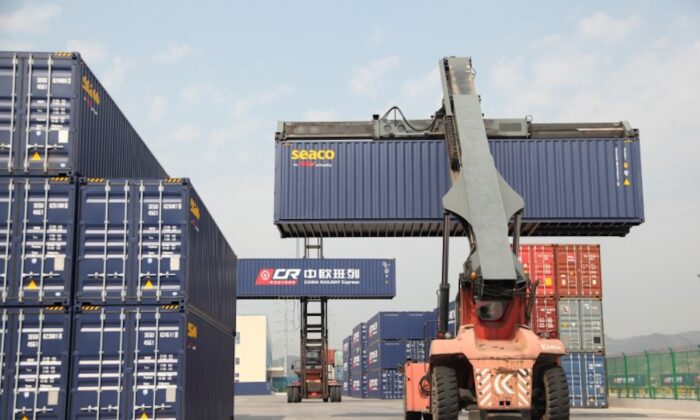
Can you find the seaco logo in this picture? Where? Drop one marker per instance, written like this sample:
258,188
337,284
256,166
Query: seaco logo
90,90
322,158
313,154
278,277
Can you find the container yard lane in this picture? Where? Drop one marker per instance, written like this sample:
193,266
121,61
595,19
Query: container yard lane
272,407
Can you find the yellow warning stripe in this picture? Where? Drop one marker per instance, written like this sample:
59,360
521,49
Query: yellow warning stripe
170,307
63,54
173,180
54,308
94,180
90,307
60,178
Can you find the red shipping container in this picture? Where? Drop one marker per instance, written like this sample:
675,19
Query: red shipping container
544,317
538,262
578,270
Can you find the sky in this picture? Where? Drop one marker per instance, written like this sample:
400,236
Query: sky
205,83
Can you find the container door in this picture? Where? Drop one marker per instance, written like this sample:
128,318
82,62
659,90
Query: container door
98,370
38,365
10,110
596,393
46,138
570,324
592,325
7,221
567,270
590,272
103,274
538,262
44,246
571,364
162,219
544,317
158,349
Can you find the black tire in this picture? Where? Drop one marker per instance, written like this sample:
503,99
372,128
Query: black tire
338,394
325,399
413,415
553,401
444,394
289,394
296,394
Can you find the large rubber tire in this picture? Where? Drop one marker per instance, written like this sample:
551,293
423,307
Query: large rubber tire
289,394
444,394
296,394
413,415
554,403
336,394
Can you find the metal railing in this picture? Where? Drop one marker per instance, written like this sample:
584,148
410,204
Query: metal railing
655,375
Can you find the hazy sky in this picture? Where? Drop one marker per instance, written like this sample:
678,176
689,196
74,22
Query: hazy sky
205,83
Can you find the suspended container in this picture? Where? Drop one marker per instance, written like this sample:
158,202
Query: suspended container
152,241
285,278
379,188
150,362
37,223
398,326
57,119
35,344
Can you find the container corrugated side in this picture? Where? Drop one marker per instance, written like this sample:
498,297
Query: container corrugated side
385,384
37,223
153,361
281,278
581,325
571,187
35,362
586,375
153,241
63,122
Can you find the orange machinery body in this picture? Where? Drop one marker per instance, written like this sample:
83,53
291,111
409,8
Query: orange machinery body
314,379
496,360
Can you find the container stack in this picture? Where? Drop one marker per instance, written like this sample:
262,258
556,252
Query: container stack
101,315
358,365
393,338
580,313
347,364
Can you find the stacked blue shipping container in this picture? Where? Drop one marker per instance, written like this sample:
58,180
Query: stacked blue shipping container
391,338
116,294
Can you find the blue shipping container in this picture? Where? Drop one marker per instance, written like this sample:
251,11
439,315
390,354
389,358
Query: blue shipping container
398,326
324,277
59,120
35,358
359,386
392,354
585,373
36,241
149,242
571,187
385,384
150,362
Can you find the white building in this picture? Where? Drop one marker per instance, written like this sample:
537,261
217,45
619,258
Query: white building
253,355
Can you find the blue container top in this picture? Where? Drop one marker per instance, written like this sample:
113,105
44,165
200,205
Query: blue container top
399,326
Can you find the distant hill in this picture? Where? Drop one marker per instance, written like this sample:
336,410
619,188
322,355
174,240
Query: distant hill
651,342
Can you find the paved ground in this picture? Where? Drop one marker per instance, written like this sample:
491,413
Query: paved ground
275,407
